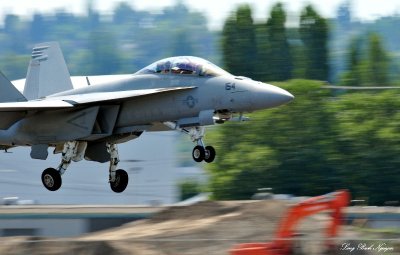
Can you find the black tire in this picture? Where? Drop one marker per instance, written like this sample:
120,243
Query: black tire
198,153
51,179
121,181
209,154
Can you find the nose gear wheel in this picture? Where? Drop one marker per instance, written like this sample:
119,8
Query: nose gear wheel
209,154
51,179
198,153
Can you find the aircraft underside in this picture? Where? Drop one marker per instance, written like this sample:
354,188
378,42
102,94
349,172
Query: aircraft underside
108,151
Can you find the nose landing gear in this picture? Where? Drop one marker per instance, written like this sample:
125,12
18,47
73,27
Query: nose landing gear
200,151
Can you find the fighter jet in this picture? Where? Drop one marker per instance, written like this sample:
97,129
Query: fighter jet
182,93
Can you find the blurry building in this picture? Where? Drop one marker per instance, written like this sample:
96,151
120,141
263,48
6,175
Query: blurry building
66,221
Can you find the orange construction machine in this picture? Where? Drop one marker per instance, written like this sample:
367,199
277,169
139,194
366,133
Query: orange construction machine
283,241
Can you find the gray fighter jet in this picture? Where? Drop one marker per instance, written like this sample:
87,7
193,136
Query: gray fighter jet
178,93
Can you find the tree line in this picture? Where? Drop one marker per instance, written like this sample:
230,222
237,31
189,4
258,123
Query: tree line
321,141
121,42
128,39
270,51
314,145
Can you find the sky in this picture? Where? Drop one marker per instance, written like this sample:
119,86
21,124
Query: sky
215,10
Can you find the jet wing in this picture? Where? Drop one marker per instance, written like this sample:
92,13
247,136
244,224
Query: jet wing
34,105
69,101
99,97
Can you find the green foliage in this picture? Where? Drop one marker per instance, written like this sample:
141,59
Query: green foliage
96,44
368,135
239,50
270,51
312,146
353,77
277,63
371,70
105,55
182,44
378,61
314,34
188,188
14,66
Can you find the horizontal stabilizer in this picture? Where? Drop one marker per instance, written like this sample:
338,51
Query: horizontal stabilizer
8,93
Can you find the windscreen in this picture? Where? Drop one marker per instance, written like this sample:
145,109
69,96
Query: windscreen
184,66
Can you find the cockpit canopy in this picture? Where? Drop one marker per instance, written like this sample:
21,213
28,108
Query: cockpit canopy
184,66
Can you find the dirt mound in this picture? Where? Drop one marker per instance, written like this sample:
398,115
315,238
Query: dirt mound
205,220
207,227
43,246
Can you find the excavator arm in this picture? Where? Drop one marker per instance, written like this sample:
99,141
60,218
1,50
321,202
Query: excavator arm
282,243
334,201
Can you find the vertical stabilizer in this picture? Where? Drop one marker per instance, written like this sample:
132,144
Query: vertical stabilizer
8,93
47,72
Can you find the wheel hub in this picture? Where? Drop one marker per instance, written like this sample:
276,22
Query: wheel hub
196,153
48,180
207,154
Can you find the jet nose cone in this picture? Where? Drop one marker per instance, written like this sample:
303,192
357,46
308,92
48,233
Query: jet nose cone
280,96
271,96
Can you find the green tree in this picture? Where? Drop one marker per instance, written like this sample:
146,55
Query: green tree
104,56
286,148
278,62
367,138
368,65
14,66
38,28
123,13
313,146
239,50
378,61
188,188
314,34
230,55
352,77
182,44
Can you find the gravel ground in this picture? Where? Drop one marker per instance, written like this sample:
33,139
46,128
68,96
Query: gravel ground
204,228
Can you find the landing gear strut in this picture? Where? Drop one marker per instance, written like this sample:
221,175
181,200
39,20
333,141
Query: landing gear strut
118,178
74,150
51,178
200,151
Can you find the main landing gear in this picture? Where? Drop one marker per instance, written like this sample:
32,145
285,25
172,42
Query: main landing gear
118,178
200,151
51,178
